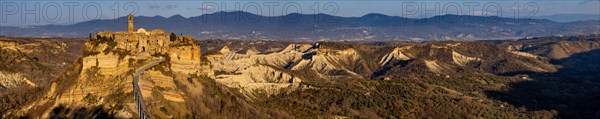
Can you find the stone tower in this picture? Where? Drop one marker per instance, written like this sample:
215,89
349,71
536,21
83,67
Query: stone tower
130,23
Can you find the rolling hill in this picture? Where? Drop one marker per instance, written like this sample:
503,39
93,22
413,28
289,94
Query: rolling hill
303,27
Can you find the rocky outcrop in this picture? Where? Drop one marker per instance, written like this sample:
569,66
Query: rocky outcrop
395,55
433,66
12,80
108,64
225,50
252,51
331,62
38,60
462,60
296,48
565,49
154,80
456,58
260,80
105,79
186,59
557,47
524,54
258,74
233,62
8,45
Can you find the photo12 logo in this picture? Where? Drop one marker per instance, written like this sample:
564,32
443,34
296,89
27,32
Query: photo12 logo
63,12
422,10
68,12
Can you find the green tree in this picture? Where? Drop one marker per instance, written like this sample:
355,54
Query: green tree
173,36
112,44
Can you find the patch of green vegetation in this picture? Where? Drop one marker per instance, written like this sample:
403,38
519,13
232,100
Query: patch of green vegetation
92,72
160,55
135,63
164,110
20,96
209,82
112,44
204,61
16,58
113,109
119,96
164,68
400,98
106,50
181,44
226,73
130,63
91,99
172,37
101,39
159,88
122,53
5,68
140,61
90,53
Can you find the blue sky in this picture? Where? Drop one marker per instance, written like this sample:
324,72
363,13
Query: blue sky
31,12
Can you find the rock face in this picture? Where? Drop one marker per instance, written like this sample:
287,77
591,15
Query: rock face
108,64
185,58
565,49
103,76
8,44
339,61
9,80
433,66
30,65
105,80
524,54
395,55
332,62
457,57
258,74
260,80
463,60
154,80
555,47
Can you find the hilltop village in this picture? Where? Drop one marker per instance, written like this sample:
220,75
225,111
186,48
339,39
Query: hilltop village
152,60
141,43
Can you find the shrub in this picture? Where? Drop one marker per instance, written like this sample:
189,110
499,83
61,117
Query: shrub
91,99
112,44
173,37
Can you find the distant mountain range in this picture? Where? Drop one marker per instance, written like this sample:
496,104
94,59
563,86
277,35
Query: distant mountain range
570,17
294,27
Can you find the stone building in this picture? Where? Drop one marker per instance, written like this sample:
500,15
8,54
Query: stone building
155,41
152,42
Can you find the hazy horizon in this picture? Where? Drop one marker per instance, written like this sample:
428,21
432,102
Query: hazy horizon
32,12
535,17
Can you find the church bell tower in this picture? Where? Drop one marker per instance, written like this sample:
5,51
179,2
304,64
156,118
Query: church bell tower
130,23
